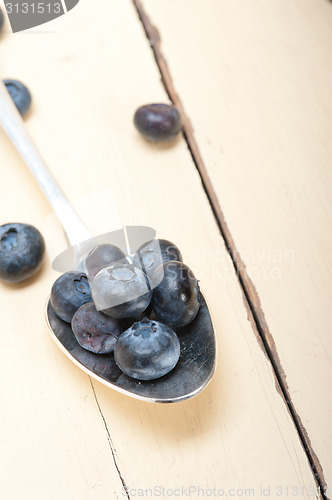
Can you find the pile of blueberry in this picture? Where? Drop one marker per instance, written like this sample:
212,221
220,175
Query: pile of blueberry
130,305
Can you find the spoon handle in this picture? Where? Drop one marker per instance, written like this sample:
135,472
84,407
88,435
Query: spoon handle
13,125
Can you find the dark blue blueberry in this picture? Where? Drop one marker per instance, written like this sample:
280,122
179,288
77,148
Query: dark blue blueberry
1,19
20,95
69,292
103,256
151,254
121,291
22,249
158,122
147,350
95,331
176,299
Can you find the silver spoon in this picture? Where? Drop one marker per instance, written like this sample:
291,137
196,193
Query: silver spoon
198,348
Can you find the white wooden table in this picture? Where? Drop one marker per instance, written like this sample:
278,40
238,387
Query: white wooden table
245,194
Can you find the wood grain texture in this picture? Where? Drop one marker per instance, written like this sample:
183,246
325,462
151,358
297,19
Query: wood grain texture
70,439
261,112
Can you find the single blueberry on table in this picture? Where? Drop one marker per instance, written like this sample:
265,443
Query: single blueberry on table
158,122
151,254
147,350
20,95
22,248
176,300
95,331
121,291
103,256
69,292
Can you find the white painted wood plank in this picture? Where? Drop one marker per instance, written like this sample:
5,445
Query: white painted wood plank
255,79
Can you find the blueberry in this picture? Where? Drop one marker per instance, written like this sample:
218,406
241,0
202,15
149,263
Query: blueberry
95,331
103,256
176,300
20,95
147,350
22,249
69,292
1,19
151,254
121,291
158,122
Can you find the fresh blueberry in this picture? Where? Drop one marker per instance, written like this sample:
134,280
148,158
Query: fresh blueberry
22,249
176,300
158,122
20,95
103,256
121,291
69,292
1,19
95,331
151,254
147,350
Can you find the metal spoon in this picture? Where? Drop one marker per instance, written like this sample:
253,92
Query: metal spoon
198,348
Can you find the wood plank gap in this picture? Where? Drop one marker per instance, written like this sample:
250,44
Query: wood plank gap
110,442
251,298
